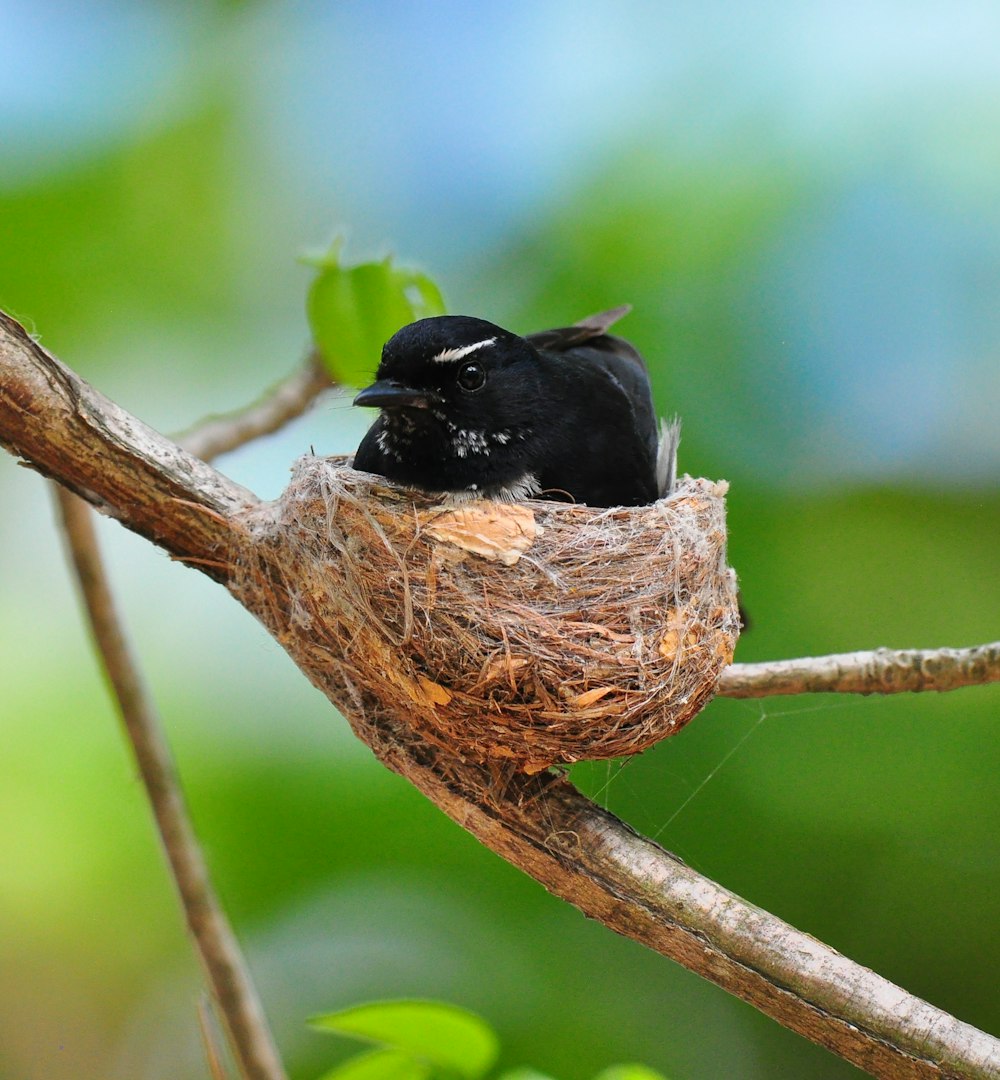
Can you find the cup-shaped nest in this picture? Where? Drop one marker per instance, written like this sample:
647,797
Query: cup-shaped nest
522,634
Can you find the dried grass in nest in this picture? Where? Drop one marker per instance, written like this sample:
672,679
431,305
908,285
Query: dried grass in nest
521,634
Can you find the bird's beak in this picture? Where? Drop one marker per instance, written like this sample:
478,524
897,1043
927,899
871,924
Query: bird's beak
389,394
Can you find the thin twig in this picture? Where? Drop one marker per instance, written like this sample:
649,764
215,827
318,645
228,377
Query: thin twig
881,671
217,946
285,401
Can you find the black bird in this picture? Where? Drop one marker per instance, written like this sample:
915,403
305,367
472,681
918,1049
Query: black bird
471,408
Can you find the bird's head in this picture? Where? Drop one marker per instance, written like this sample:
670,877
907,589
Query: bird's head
458,378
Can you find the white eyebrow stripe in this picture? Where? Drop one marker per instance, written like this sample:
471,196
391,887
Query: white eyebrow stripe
447,355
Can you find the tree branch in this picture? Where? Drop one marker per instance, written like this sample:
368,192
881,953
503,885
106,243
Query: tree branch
541,824
67,430
881,671
285,401
216,944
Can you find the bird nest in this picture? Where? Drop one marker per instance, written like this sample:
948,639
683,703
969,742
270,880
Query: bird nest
523,634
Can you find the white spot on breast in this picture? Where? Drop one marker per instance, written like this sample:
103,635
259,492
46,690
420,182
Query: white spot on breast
387,445
524,487
466,442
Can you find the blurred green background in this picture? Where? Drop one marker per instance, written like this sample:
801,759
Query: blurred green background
802,203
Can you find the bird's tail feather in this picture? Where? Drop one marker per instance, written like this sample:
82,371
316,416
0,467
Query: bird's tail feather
666,458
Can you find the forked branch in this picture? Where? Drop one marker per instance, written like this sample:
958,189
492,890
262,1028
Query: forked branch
66,430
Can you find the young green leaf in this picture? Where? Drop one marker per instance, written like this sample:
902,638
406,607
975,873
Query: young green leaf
380,1065
428,297
523,1072
354,310
629,1071
442,1035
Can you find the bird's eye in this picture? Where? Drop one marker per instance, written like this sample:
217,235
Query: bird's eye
472,377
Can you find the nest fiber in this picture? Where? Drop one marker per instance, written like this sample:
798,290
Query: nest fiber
523,634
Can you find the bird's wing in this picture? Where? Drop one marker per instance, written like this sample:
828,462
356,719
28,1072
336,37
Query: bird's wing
587,342
622,363
565,337
617,356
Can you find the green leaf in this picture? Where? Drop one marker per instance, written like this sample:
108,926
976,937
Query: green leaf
629,1071
428,296
523,1072
443,1035
354,310
380,1065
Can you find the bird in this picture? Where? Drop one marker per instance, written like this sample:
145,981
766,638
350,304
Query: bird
471,409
